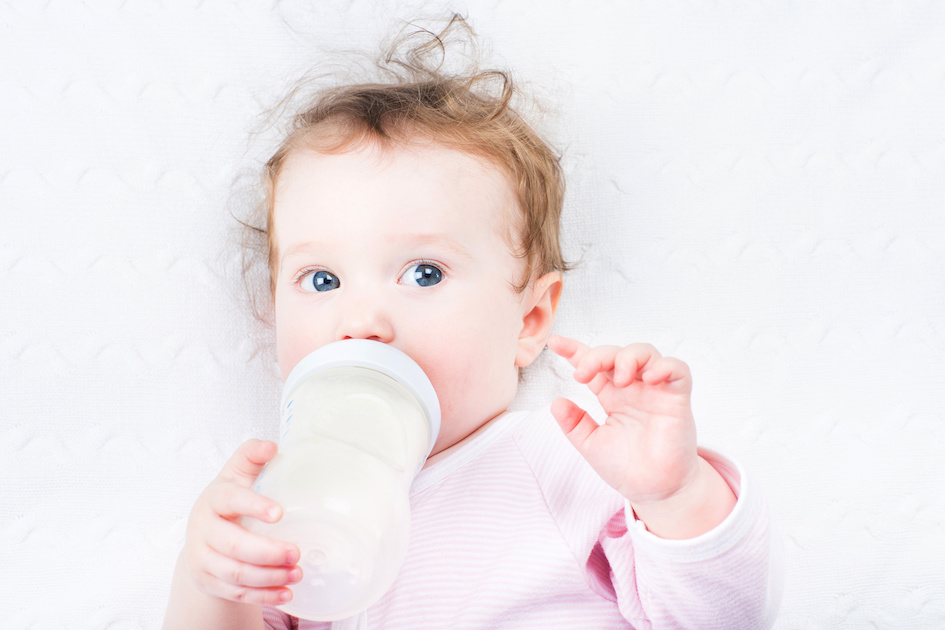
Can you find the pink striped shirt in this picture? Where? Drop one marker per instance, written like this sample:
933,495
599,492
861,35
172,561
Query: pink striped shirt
514,530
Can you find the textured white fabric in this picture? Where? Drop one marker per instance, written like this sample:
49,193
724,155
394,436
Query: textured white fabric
516,531
756,188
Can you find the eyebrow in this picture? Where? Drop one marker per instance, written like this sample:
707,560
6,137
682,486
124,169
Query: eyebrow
437,240
299,248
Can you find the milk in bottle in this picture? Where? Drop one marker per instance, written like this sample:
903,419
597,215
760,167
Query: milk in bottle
358,420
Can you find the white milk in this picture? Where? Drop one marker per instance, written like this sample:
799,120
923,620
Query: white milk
358,420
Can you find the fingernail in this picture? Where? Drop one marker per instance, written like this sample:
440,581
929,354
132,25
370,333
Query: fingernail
285,596
291,556
295,576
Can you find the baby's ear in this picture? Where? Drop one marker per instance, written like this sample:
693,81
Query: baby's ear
540,305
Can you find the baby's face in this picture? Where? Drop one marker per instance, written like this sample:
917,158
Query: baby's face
407,246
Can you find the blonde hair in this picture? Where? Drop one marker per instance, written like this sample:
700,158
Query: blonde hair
470,112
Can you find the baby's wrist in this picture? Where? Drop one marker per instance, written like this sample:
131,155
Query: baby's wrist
694,510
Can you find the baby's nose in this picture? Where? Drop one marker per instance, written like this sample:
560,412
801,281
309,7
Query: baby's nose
367,320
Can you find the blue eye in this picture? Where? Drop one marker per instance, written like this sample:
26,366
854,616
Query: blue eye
320,280
422,275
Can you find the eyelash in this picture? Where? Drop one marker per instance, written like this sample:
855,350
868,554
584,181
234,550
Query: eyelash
424,261
297,280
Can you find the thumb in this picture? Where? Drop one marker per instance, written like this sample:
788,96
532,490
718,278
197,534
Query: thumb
577,424
247,462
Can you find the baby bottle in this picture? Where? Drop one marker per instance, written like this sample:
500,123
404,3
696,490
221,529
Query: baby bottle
358,420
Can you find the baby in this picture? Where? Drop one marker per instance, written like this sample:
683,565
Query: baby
424,213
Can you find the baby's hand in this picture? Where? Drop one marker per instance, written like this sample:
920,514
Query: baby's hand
225,560
646,449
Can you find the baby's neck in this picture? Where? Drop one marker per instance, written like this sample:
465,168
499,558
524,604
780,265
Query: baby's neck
446,452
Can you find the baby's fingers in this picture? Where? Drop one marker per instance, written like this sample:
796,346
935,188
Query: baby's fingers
633,360
233,541
587,362
236,573
576,423
575,352
230,501
667,370
248,461
565,347
269,596
597,361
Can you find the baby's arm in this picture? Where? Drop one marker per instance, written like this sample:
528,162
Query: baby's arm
646,449
225,572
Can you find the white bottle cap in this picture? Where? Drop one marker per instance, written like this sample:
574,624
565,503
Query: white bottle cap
377,356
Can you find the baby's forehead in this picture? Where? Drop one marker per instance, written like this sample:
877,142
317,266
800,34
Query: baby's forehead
385,152
432,176
420,164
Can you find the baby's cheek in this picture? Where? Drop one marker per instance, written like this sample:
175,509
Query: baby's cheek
294,343
440,377
452,390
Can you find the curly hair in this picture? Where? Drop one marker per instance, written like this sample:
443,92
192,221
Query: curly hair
469,111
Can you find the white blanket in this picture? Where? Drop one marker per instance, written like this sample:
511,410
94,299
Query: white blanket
756,188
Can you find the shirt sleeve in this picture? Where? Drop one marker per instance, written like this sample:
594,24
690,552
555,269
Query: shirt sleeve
729,577
275,619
